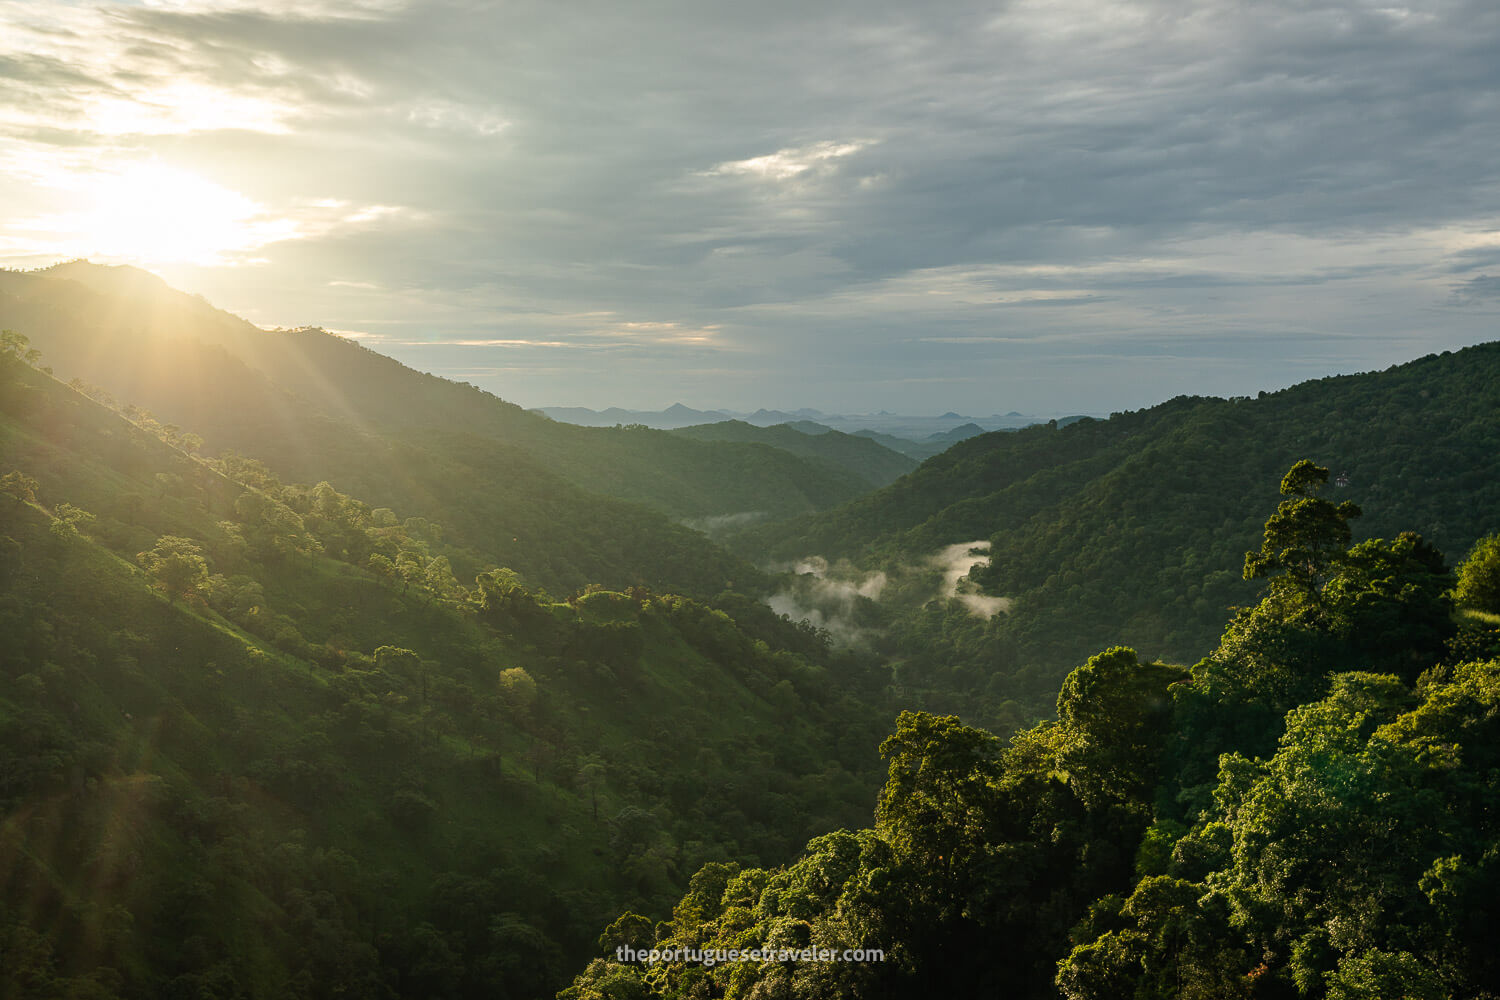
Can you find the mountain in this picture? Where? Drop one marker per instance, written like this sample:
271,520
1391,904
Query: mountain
256,739
960,433
919,450
1133,529
873,463
673,416
766,418
261,736
911,435
523,490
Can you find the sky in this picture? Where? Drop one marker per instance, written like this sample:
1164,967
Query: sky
1052,206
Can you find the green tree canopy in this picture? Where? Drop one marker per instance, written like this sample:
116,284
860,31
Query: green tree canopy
1119,709
177,563
1479,577
1306,535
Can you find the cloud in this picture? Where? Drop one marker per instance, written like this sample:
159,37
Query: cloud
1482,287
955,562
837,597
882,194
830,597
791,163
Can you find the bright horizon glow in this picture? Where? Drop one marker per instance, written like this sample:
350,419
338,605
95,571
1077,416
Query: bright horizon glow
152,214
180,108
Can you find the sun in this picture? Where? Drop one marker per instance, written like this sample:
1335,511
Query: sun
155,214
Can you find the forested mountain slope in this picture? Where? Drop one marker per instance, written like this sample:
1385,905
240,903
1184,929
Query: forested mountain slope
256,739
314,406
1309,812
1132,529
874,463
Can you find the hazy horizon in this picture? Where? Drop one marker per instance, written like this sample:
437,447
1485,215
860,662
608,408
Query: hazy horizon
1049,208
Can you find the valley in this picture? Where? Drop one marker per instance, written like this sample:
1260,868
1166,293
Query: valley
326,677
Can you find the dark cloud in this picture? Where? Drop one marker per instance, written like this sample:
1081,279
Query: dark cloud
1483,287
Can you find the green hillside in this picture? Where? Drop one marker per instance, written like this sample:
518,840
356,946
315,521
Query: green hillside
314,406
918,450
373,685
1308,812
1132,529
875,464
259,739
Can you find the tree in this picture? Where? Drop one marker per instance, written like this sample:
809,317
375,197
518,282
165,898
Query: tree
1331,836
607,981
1390,601
1120,710
400,662
381,566
517,692
177,563
1180,946
438,577
939,797
68,521
631,930
1479,577
1375,974
20,486
1306,535
14,347
1279,653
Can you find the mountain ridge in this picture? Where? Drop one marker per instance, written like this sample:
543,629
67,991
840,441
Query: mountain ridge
1132,529
316,406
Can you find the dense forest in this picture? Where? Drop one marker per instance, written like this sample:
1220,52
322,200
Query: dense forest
324,677
874,463
1129,530
1309,811
257,739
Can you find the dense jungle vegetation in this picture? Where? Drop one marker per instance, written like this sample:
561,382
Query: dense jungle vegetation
1309,811
321,677
1129,530
257,739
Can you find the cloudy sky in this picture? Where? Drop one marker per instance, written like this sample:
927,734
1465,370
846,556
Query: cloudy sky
1048,206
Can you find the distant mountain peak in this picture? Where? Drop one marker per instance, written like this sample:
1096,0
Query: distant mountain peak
959,433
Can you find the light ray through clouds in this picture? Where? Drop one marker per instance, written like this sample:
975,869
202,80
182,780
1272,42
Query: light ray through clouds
1043,206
